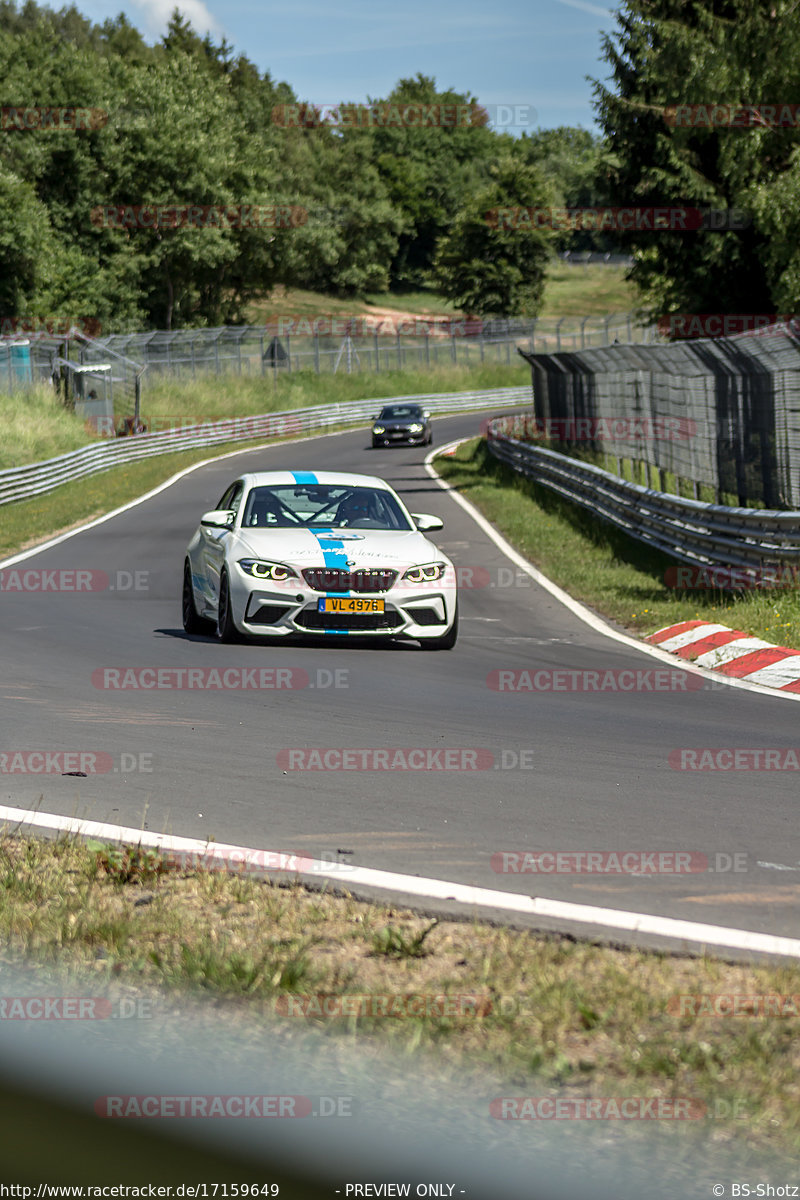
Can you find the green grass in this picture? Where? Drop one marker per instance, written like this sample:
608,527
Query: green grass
591,291
519,1011
610,572
303,303
213,398
37,426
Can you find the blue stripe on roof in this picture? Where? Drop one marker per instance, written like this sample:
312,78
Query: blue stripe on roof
304,477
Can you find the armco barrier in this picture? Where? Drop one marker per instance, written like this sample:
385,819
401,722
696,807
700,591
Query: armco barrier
706,535
22,483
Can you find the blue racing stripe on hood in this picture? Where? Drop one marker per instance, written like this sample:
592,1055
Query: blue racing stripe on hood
333,551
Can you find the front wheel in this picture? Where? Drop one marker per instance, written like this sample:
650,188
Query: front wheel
447,641
226,630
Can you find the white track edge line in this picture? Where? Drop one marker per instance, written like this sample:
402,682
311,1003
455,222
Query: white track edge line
579,610
438,889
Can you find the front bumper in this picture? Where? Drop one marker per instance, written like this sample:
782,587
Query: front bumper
399,437
419,612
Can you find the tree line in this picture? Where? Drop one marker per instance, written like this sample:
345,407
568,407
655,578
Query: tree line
104,139
171,185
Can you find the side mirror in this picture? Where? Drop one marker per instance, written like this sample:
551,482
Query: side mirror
218,518
426,414
425,523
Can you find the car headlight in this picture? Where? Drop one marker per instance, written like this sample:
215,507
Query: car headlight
428,573
415,428
277,572
379,429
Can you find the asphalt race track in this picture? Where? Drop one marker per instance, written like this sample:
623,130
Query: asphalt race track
567,770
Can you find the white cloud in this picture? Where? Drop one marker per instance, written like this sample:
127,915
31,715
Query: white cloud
158,12
594,9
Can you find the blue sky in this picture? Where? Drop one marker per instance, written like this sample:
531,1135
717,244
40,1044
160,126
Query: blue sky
529,53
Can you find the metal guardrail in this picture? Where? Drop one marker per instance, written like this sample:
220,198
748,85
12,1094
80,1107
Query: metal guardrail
755,542
22,483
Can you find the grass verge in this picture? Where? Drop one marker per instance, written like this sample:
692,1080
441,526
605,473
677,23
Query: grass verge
549,1015
612,573
593,290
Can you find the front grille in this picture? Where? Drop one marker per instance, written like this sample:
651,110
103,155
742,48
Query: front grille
334,579
268,614
310,619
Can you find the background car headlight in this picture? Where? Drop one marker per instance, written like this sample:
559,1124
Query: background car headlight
378,429
277,572
415,428
428,573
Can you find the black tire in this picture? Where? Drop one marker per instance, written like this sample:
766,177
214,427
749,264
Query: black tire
447,641
192,622
226,630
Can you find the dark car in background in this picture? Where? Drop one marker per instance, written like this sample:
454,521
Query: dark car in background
402,423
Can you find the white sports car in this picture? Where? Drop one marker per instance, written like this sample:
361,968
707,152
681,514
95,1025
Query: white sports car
302,552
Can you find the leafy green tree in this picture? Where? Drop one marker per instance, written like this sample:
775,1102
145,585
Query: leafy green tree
427,171
26,247
569,157
668,53
493,261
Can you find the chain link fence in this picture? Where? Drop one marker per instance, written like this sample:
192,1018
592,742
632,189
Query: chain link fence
335,344
721,414
91,378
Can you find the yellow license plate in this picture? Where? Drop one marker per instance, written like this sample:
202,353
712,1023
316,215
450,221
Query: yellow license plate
350,604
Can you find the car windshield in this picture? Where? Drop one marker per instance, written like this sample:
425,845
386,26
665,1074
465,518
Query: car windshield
318,505
401,412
